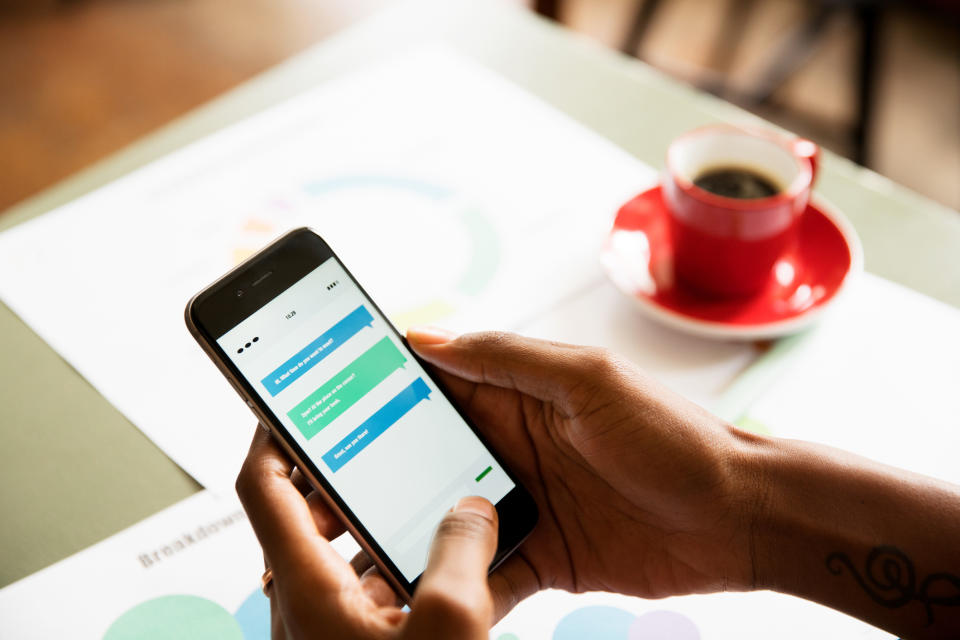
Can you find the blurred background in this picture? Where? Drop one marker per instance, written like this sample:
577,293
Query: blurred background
877,81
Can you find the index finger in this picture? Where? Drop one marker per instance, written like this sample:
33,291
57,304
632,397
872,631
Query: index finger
278,512
540,368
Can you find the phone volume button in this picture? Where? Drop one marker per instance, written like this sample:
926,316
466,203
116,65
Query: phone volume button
248,401
242,394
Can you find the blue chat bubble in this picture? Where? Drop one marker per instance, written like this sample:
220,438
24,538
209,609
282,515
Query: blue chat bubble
371,428
305,359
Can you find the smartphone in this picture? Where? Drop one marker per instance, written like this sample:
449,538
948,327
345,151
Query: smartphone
318,363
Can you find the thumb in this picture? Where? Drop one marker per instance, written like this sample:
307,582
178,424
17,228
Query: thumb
545,370
452,599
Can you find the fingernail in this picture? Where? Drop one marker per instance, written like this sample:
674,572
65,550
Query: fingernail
477,505
425,334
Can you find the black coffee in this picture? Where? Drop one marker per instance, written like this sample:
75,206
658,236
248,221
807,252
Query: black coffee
736,182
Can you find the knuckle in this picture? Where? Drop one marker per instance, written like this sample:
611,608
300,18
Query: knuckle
243,482
249,479
490,339
603,362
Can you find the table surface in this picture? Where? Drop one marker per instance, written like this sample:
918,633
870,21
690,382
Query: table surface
76,471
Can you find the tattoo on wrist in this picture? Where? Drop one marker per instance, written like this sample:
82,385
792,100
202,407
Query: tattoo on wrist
890,580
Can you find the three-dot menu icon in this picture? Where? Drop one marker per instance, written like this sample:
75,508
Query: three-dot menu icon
248,345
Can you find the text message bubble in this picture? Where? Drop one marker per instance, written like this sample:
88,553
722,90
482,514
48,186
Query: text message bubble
372,427
350,384
303,360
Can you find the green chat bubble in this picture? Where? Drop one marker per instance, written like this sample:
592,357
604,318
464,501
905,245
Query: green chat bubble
341,391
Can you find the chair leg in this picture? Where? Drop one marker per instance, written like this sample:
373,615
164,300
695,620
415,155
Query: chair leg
726,43
796,49
548,8
638,28
869,18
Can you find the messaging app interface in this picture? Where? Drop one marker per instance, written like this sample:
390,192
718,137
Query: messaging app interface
364,411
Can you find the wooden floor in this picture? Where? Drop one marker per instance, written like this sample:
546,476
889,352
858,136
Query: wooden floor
83,80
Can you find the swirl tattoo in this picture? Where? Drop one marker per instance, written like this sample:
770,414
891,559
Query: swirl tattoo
890,580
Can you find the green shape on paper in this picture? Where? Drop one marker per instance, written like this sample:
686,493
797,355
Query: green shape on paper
343,390
508,636
175,618
749,424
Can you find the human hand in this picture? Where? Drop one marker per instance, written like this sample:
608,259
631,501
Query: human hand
638,489
316,593
640,492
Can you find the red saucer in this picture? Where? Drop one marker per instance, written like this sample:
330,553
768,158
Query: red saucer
638,258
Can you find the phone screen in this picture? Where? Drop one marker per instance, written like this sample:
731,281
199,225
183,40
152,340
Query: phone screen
374,424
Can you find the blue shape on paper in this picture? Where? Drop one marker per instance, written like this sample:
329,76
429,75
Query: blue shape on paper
305,359
375,425
596,622
253,616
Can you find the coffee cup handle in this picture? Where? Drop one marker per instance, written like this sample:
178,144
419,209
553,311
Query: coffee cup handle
808,150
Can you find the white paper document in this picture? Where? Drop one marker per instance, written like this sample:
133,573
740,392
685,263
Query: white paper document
189,571
698,368
192,571
879,377
557,615
452,195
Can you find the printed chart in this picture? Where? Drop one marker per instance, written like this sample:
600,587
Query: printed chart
433,220
192,571
189,571
437,182
184,616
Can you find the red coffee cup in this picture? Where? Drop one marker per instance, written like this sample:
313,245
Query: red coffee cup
727,246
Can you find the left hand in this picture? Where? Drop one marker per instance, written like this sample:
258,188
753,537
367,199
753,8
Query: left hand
316,593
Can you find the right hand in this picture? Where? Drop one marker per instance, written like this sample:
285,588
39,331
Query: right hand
640,491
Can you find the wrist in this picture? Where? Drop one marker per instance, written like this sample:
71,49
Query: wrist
804,501
851,533
787,510
749,469
757,464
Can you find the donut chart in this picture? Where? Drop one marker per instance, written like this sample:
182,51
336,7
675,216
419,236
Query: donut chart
343,208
